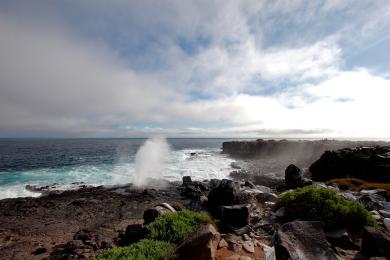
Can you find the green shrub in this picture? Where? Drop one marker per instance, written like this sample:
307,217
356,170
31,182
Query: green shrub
174,227
143,250
314,203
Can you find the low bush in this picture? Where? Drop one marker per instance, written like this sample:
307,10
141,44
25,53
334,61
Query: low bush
321,204
174,227
143,250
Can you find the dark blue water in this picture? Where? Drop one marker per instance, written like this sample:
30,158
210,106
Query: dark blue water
98,161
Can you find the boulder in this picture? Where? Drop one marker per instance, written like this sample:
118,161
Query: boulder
375,243
193,189
302,240
133,234
366,163
186,180
202,244
225,194
293,177
237,215
151,214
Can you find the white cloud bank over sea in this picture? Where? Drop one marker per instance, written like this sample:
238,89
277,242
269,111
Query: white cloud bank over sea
195,68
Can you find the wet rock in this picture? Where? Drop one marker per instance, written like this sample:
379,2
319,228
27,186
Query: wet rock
375,243
237,215
302,240
200,245
225,194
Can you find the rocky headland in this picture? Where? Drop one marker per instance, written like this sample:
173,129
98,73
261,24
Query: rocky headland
255,221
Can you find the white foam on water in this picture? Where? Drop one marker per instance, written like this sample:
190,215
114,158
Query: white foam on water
16,191
203,164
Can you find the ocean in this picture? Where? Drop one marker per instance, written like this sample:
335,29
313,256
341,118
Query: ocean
102,162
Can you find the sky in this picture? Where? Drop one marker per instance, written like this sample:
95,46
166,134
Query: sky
262,69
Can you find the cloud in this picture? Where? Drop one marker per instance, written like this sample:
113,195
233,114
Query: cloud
187,69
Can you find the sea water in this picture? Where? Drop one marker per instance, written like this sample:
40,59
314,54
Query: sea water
100,162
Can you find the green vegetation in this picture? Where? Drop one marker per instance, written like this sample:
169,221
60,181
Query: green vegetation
174,227
143,250
166,231
358,185
321,204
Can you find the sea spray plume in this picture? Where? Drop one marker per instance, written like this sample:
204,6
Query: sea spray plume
150,160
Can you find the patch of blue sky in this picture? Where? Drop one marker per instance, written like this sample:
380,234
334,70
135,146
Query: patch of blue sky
192,46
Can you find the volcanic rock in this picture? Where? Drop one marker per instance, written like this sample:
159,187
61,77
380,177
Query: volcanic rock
375,243
202,244
366,163
237,215
302,240
225,194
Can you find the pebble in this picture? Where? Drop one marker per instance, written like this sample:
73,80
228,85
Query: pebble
244,257
246,237
236,247
248,246
386,221
222,243
384,213
280,212
233,257
375,214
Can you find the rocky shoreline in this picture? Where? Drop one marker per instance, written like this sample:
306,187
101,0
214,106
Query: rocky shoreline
79,224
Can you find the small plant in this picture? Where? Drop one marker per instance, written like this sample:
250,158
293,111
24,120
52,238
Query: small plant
143,250
174,227
321,204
